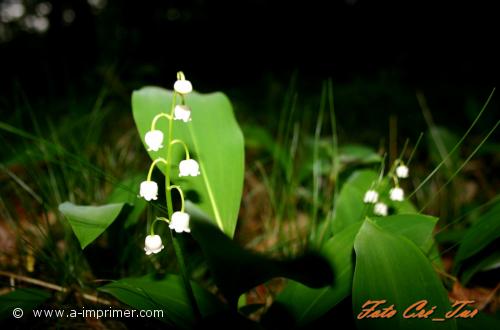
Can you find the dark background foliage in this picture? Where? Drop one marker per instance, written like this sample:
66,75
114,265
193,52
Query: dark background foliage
251,48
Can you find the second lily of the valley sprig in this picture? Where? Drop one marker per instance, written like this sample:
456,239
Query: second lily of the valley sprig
396,193
188,167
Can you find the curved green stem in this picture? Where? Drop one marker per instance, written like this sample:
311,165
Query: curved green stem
156,161
155,221
382,169
393,167
158,116
186,150
396,181
181,193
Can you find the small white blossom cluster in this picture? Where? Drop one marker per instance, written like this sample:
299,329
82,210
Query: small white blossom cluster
395,194
188,167
179,223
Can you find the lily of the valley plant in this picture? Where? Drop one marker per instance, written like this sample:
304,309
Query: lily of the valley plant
396,193
154,139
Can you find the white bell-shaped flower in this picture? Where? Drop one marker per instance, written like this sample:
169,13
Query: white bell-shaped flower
402,171
149,190
380,209
180,222
189,167
371,196
182,112
154,140
397,194
153,244
183,86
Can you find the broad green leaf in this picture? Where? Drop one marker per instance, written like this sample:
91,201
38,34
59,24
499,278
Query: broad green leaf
25,298
126,191
390,267
349,207
166,294
88,222
306,304
214,140
480,235
416,227
236,270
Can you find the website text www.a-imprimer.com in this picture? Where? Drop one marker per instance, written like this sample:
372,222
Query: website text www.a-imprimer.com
90,313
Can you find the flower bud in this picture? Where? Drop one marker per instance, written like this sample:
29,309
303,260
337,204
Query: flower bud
153,244
149,190
402,171
180,222
154,140
183,86
182,112
189,167
380,209
371,196
397,194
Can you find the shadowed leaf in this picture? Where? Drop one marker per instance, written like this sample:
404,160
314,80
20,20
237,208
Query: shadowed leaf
166,294
306,304
237,270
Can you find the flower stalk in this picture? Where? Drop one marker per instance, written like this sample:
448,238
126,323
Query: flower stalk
177,249
186,150
180,193
177,221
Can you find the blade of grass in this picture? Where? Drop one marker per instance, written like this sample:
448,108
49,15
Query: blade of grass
430,123
459,143
22,184
414,149
461,166
335,158
58,148
317,166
